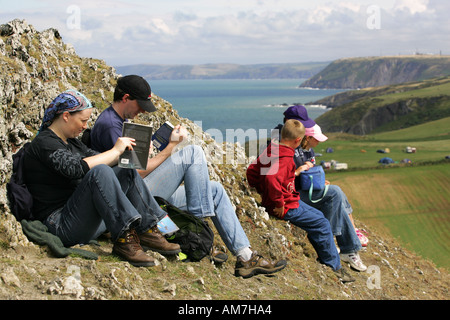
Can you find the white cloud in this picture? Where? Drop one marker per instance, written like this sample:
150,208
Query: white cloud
414,6
251,31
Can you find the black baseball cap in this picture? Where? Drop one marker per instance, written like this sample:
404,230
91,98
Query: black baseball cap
138,88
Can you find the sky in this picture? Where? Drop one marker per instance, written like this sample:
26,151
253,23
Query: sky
239,31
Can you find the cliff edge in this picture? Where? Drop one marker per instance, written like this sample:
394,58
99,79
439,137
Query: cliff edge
358,73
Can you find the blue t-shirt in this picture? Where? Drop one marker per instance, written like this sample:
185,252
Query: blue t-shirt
107,129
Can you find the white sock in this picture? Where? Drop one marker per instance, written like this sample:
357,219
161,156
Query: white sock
245,254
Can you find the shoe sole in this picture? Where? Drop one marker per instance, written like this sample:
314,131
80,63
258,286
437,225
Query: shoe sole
245,273
135,263
218,261
142,264
163,252
354,267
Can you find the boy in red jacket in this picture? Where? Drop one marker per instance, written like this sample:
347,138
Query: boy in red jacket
273,176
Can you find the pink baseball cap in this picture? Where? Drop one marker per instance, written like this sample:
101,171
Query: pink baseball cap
316,133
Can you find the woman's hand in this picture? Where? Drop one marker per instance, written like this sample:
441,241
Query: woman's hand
124,143
309,165
304,167
111,157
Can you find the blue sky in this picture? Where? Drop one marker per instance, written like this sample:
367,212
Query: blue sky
239,31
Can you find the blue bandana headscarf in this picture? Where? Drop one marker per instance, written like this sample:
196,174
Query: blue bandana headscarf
70,100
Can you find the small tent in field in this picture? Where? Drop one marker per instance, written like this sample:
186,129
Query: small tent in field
386,160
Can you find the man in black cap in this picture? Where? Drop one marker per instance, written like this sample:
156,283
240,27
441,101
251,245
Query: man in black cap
131,97
182,178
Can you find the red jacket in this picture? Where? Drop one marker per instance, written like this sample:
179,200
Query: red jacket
273,176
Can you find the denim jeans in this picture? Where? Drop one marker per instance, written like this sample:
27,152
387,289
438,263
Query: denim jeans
336,208
198,195
107,198
319,233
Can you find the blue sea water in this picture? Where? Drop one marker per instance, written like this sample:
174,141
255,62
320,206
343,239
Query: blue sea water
237,104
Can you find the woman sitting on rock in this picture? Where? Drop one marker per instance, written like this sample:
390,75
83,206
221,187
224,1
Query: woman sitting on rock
75,188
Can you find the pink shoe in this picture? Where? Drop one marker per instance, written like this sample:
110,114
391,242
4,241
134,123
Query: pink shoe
362,237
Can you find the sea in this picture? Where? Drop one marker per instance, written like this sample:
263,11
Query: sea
238,109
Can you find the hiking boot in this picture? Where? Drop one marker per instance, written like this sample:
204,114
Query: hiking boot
354,260
257,265
128,248
218,256
343,275
154,240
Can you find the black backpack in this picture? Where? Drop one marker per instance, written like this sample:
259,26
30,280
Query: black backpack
20,198
195,237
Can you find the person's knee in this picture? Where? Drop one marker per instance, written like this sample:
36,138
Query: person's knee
197,154
101,170
196,149
191,154
217,188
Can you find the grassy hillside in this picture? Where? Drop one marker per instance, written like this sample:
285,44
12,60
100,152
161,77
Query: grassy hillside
366,72
431,140
387,108
411,202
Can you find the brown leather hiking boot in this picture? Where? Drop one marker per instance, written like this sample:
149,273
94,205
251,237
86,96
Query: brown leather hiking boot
128,248
257,265
153,240
218,256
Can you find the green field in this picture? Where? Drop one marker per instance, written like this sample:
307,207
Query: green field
411,201
431,140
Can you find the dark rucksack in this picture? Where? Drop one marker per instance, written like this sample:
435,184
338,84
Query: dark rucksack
20,199
86,137
195,237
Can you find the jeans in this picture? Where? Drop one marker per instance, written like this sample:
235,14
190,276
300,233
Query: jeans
319,233
199,196
336,209
107,198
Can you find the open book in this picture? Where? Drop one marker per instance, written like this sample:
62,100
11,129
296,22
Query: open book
161,138
136,158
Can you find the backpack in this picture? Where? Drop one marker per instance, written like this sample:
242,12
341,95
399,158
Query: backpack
86,137
20,198
195,237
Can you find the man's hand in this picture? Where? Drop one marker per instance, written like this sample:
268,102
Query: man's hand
179,133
